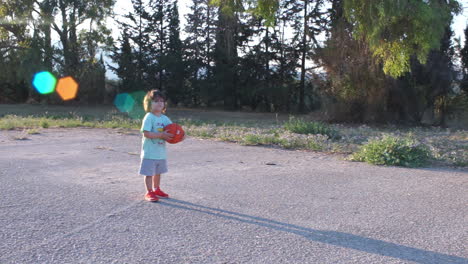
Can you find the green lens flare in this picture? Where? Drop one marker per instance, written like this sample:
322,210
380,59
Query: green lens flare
124,102
138,111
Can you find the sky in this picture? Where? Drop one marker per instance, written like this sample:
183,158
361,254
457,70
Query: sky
125,6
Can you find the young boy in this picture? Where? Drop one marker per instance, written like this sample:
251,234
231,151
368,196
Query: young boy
153,149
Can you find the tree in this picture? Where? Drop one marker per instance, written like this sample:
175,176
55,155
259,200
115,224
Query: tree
394,30
464,62
135,48
226,56
17,45
431,82
175,64
199,51
126,68
158,29
309,22
267,67
397,30
73,14
357,87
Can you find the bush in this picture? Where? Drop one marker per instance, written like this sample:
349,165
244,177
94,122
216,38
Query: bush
303,127
44,124
393,151
261,139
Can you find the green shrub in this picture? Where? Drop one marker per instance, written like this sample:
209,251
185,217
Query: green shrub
261,139
393,151
44,124
303,127
252,139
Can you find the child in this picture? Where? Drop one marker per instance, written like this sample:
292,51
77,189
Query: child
153,149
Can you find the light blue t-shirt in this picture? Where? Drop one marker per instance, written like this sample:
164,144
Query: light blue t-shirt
154,148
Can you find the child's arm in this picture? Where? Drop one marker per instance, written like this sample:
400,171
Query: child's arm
153,135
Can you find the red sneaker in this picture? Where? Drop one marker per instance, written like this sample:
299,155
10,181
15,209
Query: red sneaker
161,194
151,197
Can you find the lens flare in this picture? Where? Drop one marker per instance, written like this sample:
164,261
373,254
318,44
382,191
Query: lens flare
124,102
67,88
44,82
138,111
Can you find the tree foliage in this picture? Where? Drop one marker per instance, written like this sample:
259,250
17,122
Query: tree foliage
397,30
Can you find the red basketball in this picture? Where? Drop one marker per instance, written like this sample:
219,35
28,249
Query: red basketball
177,131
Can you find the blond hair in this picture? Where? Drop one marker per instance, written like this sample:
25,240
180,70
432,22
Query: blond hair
149,98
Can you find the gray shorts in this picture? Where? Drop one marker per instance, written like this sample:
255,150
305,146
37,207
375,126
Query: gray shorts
151,167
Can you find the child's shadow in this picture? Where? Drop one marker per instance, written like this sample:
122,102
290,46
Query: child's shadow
340,239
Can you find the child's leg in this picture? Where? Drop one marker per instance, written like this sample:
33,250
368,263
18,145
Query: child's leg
156,181
148,183
157,190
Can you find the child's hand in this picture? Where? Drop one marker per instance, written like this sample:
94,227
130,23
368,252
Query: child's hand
166,136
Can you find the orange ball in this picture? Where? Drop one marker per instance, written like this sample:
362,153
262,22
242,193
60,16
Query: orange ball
177,131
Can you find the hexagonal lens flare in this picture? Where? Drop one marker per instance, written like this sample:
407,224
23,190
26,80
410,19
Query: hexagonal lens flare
124,102
67,88
138,111
44,82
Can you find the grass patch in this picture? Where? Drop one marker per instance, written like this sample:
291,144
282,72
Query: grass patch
207,131
394,151
33,131
10,122
259,139
447,146
300,126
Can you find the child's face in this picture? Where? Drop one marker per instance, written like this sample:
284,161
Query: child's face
157,105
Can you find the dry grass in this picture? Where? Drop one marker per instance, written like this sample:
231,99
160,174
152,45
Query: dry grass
449,147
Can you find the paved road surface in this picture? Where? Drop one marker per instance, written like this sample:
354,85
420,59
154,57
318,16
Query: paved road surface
74,196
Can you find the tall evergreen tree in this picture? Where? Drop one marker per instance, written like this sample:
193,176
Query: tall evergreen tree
159,40
464,62
309,22
175,64
199,51
432,81
135,48
286,57
126,62
259,67
226,56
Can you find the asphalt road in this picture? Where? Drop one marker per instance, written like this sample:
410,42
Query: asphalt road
74,196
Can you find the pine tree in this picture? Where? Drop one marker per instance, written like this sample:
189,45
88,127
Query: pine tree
464,61
175,64
199,51
135,48
226,56
126,66
309,22
432,81
159,39
258,66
